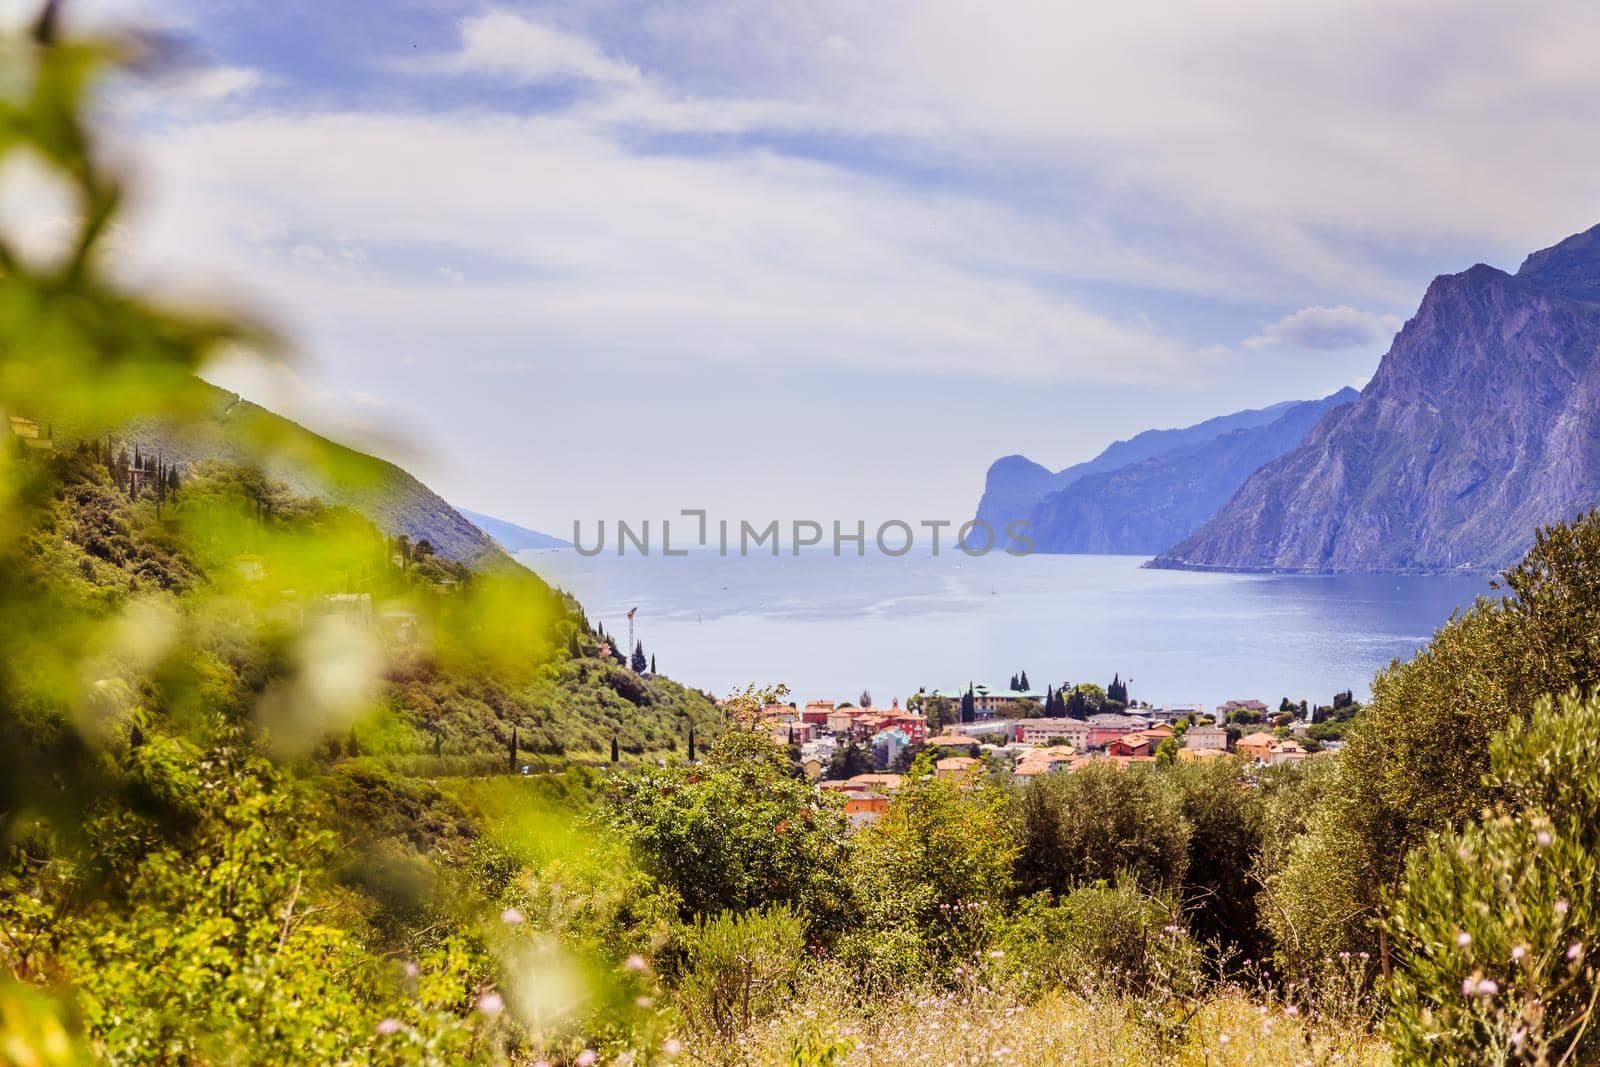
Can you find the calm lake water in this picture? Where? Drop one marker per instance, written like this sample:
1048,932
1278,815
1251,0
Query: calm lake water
830,626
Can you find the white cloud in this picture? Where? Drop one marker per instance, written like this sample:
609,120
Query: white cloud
505,45
1327,328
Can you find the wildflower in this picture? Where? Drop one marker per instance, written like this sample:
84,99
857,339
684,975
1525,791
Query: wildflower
1518,952
1575,951
1543,837
511,917
411,969
1561,907
672,1046
491,1003
1463,939
644,1002
1467,987
390,1026
995,954
1487,987
587,1058
636,963
1292,1010
1222,1039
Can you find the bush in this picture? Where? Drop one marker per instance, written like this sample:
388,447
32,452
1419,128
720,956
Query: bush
740,969
1096,823
1495,923
924,877
1098,939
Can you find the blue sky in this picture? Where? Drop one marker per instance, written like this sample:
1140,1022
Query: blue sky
829,259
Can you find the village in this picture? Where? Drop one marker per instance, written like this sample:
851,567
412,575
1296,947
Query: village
864,752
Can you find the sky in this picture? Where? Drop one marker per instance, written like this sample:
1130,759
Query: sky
788,259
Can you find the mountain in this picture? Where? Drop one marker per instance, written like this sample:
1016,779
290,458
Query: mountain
1015,484
511,537
1146,506
1481,424
313,466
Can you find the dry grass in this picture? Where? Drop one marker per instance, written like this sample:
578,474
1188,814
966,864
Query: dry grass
975,1026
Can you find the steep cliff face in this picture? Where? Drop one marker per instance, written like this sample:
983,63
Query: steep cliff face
1145,506
1481,424
1015,485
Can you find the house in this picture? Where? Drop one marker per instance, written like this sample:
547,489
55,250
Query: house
841,722
1228,707
960,742
880,783
1105,727
27,431
350,607
1206,738
958,767
1200,755
989,702
886,746
816,712
813,768
857,803
1130,745
1074,732
1039,761
792,733
1157,733
1257,746
1287,750
1174,712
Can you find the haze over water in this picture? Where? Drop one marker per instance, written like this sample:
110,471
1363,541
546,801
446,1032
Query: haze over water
831,626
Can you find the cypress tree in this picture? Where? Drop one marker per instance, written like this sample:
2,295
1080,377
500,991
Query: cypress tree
616,753
652,663
512,762
438,744
969,705
1024,679
572,645
691,742
639,662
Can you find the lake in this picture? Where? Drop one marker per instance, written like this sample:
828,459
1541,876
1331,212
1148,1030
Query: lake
831,626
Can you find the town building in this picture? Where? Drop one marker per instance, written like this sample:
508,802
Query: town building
1206,738
1074,732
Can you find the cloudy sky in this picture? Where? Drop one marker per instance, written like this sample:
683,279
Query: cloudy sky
829,259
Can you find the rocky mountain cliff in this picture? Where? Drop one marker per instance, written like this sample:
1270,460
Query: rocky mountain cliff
1146,506
1481,424
1016,484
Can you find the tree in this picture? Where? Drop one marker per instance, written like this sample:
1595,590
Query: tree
849,760
639,662
1024,680
735,831
1013,684
512,753
1414,762
652,663
1099,821
1495,925
927,876
1117,692
691,742
866,699
572,645
616,754
1219,887
939,711
969,705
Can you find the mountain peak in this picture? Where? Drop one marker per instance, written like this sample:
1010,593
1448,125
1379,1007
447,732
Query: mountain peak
1570,267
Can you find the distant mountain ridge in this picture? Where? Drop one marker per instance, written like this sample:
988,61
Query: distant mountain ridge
510,536
1140,495
1481,424
1143,507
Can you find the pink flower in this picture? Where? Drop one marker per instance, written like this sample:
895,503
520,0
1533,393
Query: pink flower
636,963
1543,837
491,1003
672,1046
587,1058
1561,907
1467,987
1518,952
1575,950
511,916
390,1026
1463,939
1487,987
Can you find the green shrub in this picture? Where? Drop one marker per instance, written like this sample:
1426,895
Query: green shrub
740,968
1095,939
1495,923
1096,823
